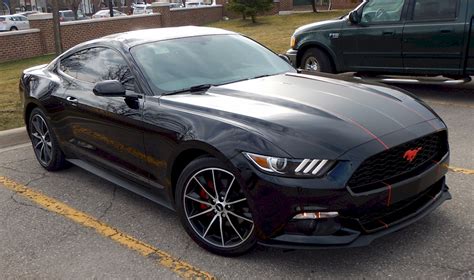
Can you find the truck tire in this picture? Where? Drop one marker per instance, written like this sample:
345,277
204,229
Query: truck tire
317,61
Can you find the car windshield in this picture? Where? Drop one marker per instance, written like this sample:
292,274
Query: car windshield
178,64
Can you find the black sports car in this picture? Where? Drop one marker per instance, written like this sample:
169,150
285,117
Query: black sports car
244,148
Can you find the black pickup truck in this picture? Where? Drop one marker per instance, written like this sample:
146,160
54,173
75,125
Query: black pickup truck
398,37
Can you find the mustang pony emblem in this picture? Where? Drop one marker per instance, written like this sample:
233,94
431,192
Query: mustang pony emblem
410,155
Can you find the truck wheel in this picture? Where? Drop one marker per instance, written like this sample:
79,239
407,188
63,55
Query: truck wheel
13,28
317,61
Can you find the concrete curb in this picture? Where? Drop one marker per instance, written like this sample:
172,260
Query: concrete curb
13,137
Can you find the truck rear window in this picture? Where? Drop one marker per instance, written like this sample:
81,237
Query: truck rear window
435,9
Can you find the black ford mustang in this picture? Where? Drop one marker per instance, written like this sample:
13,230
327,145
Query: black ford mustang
244,148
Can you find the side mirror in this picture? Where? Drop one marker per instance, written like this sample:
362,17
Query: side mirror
354,17
285,58
110,88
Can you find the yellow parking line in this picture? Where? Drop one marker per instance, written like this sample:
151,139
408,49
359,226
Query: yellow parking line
179,267
460,170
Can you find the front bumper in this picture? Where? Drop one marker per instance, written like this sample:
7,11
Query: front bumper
292,55
347,237
363,217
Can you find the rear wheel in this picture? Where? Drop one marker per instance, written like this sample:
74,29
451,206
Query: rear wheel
45,144
213,209
13,28
316,60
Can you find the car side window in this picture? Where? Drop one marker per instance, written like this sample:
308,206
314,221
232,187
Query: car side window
98,64
435,9
378,11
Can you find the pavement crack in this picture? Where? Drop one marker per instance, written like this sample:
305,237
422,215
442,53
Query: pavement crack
111,202
43,175
19,171
188,244
14,199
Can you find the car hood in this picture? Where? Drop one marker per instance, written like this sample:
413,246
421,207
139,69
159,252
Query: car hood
322,25
309,115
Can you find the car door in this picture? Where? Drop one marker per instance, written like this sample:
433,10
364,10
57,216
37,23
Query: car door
375,44
104,130
24,22
433,37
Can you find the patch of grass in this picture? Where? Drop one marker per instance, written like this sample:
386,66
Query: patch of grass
10,107
275,31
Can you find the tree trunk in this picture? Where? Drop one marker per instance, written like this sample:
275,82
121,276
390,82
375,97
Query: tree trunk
58,46
254,18
313,4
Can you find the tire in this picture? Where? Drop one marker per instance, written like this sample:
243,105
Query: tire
316,60
45,143
225,227
13,28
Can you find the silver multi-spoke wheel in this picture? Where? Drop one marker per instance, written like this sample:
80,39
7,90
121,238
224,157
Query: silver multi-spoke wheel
312,64
41,139
216,208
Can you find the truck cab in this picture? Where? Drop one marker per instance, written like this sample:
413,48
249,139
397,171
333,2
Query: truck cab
402,37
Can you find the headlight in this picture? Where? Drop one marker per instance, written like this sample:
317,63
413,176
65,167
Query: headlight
291,167
292,42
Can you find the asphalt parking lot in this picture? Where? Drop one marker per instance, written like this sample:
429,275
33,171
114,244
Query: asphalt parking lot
88,228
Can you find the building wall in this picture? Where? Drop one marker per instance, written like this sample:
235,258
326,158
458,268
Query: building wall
76,32
21,44
196,16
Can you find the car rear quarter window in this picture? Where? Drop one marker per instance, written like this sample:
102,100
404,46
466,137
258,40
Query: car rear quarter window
435,9
98,64
2,19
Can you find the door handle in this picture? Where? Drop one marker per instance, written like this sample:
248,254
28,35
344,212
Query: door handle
388,33
72,100
445,31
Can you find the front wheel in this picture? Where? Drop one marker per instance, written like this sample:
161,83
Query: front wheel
316,60
13,28
45,144
213,209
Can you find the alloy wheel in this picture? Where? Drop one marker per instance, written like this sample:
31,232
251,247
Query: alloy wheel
41,139
312,64
217,209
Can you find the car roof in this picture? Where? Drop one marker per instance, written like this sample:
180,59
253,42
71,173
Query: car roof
133,38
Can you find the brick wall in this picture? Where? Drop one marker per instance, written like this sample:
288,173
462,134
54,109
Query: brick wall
196,15
21,44
76,32
286,5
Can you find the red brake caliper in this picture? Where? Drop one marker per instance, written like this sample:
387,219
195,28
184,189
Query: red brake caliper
205,197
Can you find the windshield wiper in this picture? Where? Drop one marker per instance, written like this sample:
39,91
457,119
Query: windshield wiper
247,79
190,89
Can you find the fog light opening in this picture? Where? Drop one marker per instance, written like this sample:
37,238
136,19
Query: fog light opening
316,215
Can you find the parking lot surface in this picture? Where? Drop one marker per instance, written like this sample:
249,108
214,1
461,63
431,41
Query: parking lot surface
39,239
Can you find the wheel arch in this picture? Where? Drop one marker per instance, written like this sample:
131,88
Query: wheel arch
302,50
27,113
187,153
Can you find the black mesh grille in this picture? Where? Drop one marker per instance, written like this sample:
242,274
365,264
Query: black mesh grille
392,165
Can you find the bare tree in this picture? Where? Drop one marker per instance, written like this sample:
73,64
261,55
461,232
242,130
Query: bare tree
74,6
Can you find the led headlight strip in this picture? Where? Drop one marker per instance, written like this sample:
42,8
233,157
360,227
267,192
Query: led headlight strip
291,167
